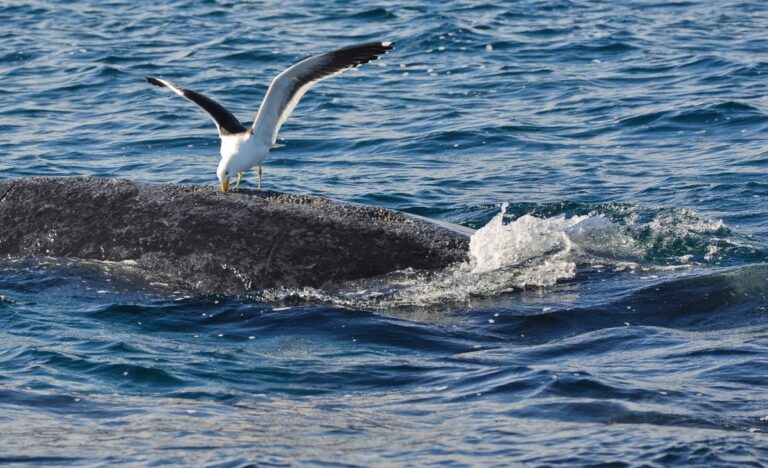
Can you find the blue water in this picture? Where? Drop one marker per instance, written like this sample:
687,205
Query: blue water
641,340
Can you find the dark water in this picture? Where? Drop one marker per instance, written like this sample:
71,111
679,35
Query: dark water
624,323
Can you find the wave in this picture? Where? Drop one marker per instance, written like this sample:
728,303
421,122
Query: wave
374,14
721,116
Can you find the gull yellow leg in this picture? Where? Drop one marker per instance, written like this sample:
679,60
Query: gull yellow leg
239,179
259,177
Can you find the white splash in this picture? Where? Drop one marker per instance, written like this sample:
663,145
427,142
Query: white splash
497,245
683,222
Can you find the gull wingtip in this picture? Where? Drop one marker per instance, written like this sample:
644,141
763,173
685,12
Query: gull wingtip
154,81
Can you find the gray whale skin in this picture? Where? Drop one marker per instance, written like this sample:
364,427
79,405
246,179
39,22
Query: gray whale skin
204,241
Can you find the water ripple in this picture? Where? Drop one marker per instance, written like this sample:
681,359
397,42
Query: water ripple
648,348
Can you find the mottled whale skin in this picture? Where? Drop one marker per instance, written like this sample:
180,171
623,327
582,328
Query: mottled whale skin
204,241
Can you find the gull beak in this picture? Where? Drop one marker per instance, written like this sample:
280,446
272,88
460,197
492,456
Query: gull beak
225,186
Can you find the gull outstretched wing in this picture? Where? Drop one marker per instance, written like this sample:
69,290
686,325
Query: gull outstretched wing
226,123
288,87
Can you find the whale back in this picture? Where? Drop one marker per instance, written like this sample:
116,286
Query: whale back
204,241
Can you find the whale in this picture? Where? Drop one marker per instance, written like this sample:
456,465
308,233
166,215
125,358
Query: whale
202,241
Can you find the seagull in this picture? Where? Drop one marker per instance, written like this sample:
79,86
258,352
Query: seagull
243,148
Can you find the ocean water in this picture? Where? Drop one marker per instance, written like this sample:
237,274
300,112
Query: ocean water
611,155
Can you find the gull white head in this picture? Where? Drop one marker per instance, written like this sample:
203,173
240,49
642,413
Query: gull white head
238,153
224,173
